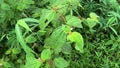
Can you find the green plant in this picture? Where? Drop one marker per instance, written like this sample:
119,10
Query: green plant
59,33
52,37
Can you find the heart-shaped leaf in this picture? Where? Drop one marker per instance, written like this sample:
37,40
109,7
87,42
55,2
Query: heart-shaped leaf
78,39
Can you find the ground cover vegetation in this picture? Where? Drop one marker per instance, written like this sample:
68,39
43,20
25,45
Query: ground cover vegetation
59,33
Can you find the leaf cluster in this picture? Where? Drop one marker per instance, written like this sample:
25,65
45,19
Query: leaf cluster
59,33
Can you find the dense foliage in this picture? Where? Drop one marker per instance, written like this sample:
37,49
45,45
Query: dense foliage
59,34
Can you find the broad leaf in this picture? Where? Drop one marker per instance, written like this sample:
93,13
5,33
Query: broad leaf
66,28
46,15
73,21
24,4
30,39
92,21
32,62
60,62
56,40
74,3
8,52
5,6
78,39
60,6
16,51
93,15
66,49
7,65
46,54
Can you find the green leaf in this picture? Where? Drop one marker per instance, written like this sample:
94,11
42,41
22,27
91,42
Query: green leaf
19,61
60,62
8,52
74,3
93,15
30,39
1,1
50,15
24,4
56,40
66,28
21,40
46,54
47,65
16,51
2,37
32,62
28,1
113,30
21,6
5,6
23,24
73,21
22,66
60,5
78,39
7,65
66,49
109,42
43,2
114,46
91,22
111,21
46,15
31,20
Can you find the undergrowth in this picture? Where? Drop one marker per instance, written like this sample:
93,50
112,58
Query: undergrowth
59,33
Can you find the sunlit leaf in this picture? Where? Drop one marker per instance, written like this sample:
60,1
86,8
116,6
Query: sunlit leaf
91,23
78,39
93,15
8,52
16,51
23,24
21,40
31,20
